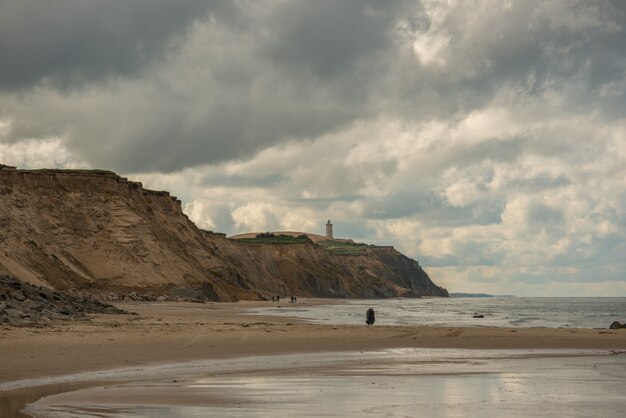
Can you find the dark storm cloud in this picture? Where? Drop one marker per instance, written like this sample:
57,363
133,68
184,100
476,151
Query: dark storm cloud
251,75
72,42
326,38
534,46
246,78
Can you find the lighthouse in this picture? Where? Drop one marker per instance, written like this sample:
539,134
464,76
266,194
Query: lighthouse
329,230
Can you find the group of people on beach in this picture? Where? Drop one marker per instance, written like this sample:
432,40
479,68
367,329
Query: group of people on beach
276,298
370,316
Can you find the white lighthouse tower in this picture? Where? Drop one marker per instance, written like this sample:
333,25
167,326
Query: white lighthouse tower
329,230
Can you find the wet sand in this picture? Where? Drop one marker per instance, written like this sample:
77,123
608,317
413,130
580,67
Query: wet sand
401,382
182,332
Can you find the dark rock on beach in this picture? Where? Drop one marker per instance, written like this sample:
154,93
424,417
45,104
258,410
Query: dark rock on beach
22,304
617,325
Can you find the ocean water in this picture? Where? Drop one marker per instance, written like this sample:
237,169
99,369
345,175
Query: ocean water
497,312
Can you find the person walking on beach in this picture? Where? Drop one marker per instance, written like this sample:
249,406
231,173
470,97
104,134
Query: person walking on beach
370,317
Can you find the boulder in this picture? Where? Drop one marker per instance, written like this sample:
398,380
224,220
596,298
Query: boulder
29,303
13,304
26,305
18,295
617,325
16,322
13,313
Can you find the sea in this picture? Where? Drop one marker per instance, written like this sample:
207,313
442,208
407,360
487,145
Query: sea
499,311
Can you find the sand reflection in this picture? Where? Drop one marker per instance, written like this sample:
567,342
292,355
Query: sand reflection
402,383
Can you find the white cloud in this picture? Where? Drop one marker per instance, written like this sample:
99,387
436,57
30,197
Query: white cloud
200,213
38,153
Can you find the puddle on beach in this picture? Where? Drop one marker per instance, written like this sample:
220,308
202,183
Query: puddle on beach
401,383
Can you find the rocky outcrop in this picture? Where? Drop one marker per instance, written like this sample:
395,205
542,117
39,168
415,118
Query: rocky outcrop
617,325
22,304
94,231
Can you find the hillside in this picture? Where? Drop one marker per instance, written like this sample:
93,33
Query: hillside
97,232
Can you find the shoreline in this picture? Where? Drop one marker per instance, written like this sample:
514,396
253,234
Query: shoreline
183,332
166,332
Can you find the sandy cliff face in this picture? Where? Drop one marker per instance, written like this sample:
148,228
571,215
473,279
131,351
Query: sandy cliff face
94,230
307,269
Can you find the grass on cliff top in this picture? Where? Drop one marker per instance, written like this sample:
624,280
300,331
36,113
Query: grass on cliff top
344,248
275,240
73,170
333,247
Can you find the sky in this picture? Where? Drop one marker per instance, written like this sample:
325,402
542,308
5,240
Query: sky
485,139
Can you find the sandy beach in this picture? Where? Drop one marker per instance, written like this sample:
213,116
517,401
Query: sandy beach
181,332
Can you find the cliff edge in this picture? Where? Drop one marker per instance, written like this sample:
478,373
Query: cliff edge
94,231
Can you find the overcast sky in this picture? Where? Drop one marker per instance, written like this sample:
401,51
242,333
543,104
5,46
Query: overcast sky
486,139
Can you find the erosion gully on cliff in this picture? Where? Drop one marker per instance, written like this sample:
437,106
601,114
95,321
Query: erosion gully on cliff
94,231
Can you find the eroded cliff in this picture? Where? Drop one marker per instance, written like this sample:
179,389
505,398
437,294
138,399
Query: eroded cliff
96,231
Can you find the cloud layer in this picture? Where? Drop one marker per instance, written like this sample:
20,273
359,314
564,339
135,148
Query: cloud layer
486,139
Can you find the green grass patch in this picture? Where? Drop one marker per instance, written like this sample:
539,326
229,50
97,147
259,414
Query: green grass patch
68,171
344,248
275,240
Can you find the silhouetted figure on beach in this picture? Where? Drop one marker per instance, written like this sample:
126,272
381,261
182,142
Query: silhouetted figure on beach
370,318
